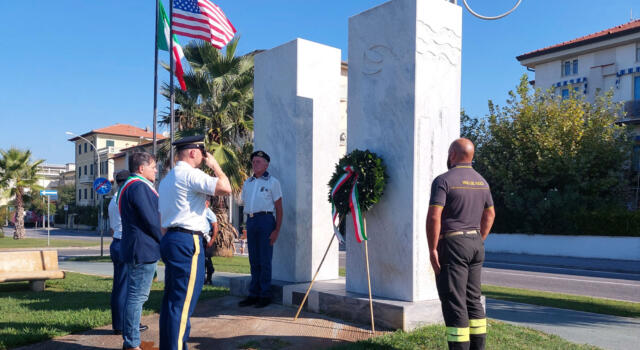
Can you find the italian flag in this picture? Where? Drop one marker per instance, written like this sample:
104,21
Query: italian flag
163,44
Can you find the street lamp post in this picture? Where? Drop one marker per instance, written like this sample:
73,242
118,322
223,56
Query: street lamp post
97,170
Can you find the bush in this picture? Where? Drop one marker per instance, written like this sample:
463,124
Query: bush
608,223
555,165
85,215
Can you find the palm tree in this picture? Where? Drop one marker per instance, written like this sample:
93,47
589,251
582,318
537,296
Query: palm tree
18,173
218,103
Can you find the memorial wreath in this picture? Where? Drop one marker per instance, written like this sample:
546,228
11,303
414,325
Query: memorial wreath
356,185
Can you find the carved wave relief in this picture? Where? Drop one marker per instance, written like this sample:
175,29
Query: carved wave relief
441,44
374,58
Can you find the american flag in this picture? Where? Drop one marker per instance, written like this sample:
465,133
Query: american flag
202,19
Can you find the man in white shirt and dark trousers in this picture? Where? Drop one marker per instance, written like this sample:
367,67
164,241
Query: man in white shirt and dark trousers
119,289
262,198
182,210
209,238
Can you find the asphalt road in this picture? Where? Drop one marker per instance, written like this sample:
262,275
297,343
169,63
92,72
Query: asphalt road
600,284
600,278
589,277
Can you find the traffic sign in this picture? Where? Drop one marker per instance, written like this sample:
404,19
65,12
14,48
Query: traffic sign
48,193
102,185
66,207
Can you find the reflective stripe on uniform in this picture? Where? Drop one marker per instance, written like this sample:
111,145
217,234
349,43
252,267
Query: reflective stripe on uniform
478,326
455,334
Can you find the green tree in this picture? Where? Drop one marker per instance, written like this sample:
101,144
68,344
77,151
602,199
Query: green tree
218,103
550,160
18,174
66,196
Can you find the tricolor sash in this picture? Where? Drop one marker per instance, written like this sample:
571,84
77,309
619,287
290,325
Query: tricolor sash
356,214
131,180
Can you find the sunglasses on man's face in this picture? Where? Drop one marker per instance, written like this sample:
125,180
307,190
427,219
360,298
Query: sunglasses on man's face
204,152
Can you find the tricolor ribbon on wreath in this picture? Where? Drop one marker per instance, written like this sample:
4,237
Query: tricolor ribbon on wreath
356,214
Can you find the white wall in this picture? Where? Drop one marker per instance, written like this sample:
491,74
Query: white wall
600,247
590,65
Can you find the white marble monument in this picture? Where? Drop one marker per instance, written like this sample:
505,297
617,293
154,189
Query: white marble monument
404,104
296,110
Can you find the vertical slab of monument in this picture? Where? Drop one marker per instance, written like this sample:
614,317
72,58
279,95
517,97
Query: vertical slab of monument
404,105
296,112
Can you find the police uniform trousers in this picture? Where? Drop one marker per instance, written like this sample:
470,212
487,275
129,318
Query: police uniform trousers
259,228
459,288
119,290
183,256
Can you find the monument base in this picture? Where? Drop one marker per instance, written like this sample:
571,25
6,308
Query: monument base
331,298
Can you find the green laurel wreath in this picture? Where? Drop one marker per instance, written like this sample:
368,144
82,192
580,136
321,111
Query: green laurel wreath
372,179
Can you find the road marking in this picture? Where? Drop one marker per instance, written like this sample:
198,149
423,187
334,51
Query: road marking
564,279
563,268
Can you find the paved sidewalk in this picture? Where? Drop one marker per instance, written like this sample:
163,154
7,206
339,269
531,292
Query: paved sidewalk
220,324
605,331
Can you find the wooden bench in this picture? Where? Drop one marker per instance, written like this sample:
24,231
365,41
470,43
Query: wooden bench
34,266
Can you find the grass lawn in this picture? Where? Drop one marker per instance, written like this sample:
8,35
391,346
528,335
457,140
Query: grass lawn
564,301
9,242
236,264
76,303
500,336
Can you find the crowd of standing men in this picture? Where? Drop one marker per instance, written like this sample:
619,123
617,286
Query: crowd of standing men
171,223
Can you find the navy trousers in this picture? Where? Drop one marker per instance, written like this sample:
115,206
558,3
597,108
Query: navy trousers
183,256
259,229
119,290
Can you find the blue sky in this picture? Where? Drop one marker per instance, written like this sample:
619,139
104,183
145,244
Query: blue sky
77,65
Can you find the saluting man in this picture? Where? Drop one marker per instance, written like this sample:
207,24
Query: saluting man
460,217
262,198
183,193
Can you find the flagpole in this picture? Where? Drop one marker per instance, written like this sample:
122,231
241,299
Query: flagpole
171,92
155,87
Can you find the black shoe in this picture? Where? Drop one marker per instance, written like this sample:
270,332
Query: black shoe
263,302
117,332
248,301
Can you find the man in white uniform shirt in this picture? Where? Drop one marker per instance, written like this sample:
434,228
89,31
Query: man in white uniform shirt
182,212
119,289
262,199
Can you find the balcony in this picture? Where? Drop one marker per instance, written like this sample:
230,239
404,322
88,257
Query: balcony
631,111
86,179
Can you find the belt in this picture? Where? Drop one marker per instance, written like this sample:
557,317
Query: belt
458,233
258,213
184,230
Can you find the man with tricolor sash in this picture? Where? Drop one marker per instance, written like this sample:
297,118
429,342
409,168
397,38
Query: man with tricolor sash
140,244
460,217
119,288
262,198
183,193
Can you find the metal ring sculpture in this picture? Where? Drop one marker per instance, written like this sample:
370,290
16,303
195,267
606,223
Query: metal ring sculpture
488,17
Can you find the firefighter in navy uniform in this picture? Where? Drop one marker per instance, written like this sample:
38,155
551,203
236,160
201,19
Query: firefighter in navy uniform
183,193
460,217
